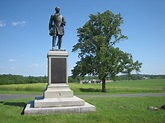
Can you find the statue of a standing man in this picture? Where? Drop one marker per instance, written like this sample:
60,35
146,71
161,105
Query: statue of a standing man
56,27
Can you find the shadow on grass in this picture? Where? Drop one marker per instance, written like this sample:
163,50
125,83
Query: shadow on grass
89,90
18,104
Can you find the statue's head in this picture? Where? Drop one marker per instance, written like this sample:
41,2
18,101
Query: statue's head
57,9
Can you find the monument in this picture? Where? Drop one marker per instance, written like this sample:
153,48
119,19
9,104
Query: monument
56,27
57,97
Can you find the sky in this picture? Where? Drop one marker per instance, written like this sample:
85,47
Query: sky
25,40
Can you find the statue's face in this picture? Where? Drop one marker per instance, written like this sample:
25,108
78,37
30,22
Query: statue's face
57,9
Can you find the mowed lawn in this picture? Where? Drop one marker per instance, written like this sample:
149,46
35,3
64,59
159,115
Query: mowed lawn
109,110
120,87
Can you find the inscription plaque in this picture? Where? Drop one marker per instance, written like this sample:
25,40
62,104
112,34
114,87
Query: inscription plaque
58,70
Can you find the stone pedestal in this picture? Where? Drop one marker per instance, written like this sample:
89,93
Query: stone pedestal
57,67
58,97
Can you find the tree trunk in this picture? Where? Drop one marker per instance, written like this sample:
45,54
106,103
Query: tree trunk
103,85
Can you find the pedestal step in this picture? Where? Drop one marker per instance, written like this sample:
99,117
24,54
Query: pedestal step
58,91
58,94
58,86
29,109
58,102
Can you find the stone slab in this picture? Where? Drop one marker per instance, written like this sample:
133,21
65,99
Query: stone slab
58,91
58,102
58,86
29,109
58,94
58,53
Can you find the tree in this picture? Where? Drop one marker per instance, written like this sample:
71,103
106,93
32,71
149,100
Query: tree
96,50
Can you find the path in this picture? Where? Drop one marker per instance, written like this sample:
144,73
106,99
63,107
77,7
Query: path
21,96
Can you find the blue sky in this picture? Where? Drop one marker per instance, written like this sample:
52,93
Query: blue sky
24,39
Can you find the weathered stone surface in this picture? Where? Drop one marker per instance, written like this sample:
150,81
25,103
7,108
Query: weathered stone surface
56,110
58,102
152,108
58,91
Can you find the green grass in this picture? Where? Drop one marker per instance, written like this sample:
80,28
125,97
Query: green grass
109,110
35,88
136,86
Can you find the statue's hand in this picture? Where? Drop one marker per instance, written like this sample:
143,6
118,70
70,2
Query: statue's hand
62,24
50,31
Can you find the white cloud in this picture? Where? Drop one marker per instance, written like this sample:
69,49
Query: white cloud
19,23
12,60
2,24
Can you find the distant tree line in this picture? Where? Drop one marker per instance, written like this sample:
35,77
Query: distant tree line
120,77
19,79
140,77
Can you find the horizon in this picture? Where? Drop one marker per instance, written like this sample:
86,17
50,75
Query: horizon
85,75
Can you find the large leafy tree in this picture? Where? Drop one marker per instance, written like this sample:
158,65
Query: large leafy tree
96,50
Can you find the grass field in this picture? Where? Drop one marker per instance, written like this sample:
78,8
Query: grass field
137,86
109,110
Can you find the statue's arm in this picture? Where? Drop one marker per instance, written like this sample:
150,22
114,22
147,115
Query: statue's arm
50,22
63,21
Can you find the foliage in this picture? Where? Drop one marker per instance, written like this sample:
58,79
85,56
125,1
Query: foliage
6,79
140,77
97,53
19,79
73,80
120,77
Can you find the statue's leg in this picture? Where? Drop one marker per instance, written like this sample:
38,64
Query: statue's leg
53,42
59,41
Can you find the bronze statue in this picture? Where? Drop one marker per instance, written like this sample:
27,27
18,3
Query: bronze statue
56,28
